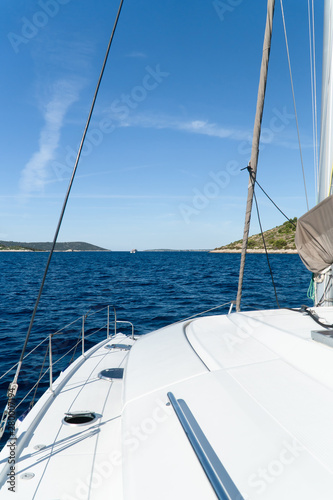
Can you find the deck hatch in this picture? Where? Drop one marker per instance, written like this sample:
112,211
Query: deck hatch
80,417
121,347
112,374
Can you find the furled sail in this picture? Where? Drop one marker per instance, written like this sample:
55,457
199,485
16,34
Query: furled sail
323,289
326,133
314,236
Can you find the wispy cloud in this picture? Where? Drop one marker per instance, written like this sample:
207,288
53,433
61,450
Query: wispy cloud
207,128
204,127
137,55
201,127
63,94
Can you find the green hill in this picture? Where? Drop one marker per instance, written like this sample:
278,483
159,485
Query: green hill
14,247
280,238
74,246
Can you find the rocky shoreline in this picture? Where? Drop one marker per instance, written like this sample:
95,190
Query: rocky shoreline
15,250
255,250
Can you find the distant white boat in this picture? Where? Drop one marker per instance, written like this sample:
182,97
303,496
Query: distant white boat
134,250
237,406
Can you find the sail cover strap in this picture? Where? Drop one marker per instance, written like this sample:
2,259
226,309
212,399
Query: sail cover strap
314,236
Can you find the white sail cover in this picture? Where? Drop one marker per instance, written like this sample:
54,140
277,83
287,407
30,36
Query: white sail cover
314,236
326,134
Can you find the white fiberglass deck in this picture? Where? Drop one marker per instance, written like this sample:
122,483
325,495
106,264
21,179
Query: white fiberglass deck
63,457
256,385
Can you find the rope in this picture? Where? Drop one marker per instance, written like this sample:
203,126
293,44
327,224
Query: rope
254,181
248,168
312,314
266,252
311,293
293,93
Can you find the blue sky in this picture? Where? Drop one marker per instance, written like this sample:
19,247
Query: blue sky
172,124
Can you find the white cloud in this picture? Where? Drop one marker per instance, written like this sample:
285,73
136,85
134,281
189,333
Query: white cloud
34,175
137,55
211,129
205,127
201,127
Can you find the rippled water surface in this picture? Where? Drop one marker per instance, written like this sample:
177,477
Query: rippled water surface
149,289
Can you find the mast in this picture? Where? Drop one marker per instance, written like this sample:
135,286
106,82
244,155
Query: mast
324,288
326,145
255,140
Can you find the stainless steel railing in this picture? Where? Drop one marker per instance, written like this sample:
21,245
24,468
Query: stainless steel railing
83,336
50,350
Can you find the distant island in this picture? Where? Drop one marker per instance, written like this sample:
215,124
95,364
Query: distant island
71,246
172,250
280,239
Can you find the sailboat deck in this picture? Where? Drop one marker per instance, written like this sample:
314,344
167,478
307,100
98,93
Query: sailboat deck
62,456
243,380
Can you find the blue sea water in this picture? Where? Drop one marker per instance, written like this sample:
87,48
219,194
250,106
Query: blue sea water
149,289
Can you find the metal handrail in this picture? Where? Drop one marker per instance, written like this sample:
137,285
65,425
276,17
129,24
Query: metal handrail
61,332
221,482
128,323
83,336
83,318
81,340
50,361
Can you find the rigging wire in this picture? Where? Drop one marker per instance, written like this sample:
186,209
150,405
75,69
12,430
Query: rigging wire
32,402
294,101
13,386
202,312
54,363
270,199
254,182
266,252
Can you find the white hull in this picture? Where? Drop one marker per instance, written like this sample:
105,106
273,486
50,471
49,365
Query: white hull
255,383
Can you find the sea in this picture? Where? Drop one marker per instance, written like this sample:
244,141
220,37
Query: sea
148,289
